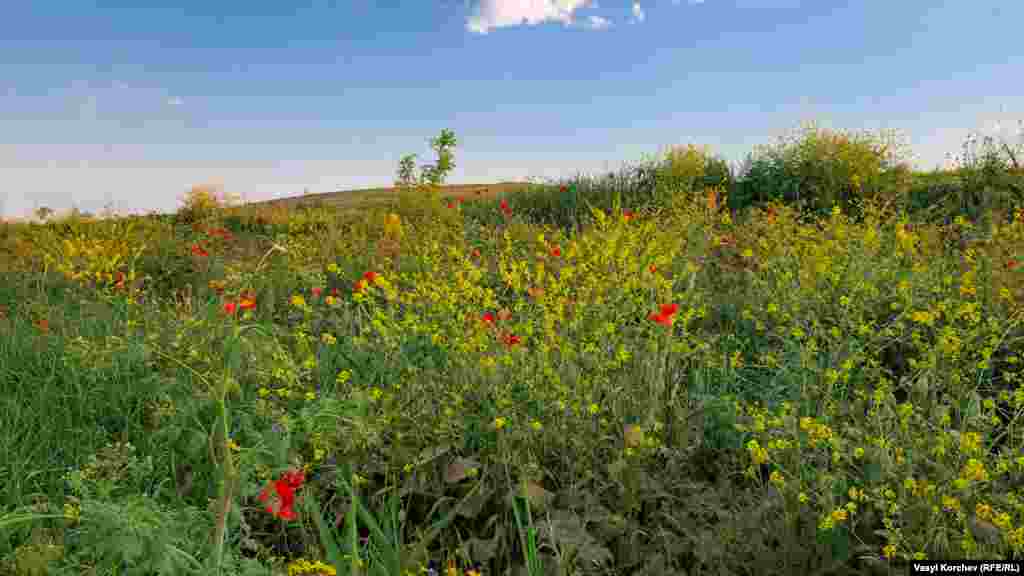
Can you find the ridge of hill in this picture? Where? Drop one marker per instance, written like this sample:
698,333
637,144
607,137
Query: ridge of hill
365,197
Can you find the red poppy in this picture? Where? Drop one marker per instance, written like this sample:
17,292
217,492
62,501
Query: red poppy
451,205
198,250
248,301
367,279
219,232
652,268
556,251
1011,264
627,215
488,318
511,339
505,208
43,325
317,291
665,315
476,253
230,308
563,189
283,494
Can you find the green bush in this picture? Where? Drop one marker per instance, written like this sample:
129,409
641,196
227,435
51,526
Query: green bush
814,169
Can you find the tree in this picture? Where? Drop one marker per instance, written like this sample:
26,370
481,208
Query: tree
407,171
44,212
430,174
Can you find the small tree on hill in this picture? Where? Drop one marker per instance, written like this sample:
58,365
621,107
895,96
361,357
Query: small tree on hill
44,212
431,175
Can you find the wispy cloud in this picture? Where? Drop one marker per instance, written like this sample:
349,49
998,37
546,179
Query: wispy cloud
501,13
638,13
597,23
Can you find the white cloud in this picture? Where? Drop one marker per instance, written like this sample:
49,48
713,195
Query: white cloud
501,13
638,12
597,23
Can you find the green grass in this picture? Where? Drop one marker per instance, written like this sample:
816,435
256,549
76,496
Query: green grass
596,441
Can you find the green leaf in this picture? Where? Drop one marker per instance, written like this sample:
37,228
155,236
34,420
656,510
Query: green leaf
873,471
838,540
326,536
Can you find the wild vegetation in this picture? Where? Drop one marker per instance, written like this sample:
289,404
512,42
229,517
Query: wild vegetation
807,365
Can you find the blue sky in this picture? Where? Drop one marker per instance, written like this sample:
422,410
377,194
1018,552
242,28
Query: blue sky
113,103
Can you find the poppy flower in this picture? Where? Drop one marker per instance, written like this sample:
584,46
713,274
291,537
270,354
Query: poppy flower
220,232
198,250
488,318
230,308
317,291
281,494
366,280
511,339
1011,264
665,315
627,215
563,189
248,301
712,200
505,208
556,251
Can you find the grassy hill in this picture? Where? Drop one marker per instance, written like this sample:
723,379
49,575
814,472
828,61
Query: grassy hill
355,199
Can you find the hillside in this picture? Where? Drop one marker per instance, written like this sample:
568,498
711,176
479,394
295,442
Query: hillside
355,199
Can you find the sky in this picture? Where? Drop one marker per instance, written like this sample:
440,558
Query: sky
126,105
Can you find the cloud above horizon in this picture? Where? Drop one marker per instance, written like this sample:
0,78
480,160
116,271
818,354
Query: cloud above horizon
491,14
638,13
501,13
597,23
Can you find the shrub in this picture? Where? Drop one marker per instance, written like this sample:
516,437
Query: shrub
815,169
203,201
691,169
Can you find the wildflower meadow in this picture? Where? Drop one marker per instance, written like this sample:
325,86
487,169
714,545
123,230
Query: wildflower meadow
808,364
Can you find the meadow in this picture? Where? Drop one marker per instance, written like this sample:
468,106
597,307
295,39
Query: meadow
808,365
